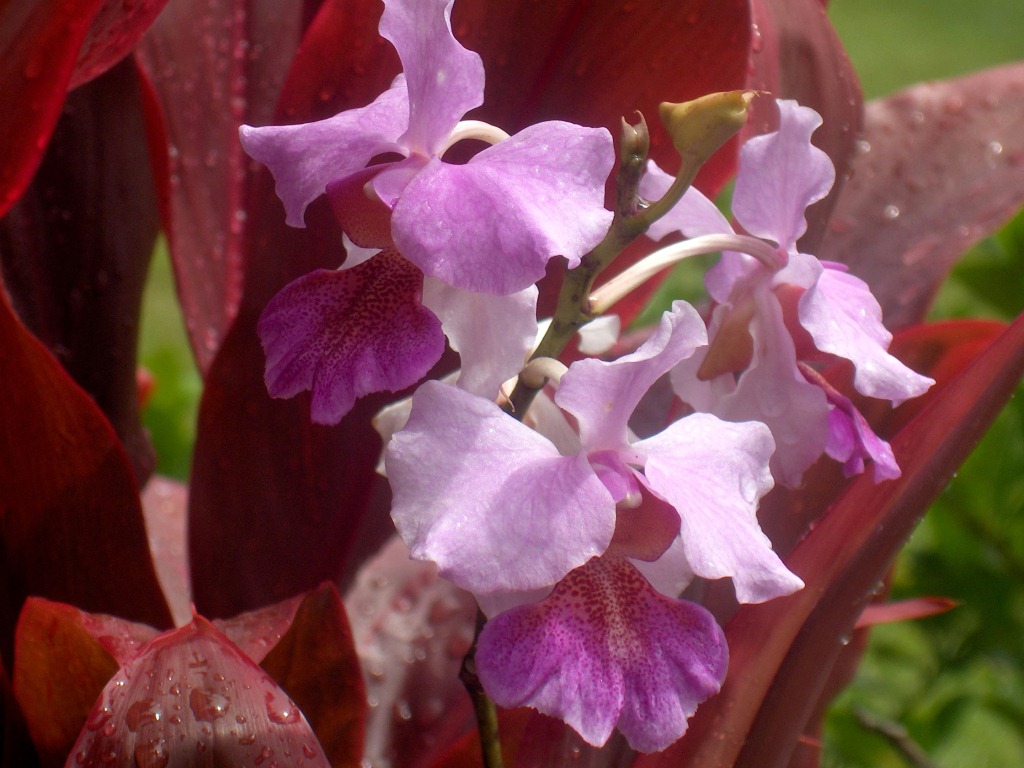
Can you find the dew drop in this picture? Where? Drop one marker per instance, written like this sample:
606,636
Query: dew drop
308,751
282,715
890,212
994,148
152,754
207,705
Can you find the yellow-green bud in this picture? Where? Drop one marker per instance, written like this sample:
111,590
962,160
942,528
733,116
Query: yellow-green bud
699,127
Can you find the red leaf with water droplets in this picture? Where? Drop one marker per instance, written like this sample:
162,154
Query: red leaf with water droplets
796,54
69,505
941,166
76,248
257,632
782,651
412,629
165,508
39,45
316,662
61,666
214,65
191,697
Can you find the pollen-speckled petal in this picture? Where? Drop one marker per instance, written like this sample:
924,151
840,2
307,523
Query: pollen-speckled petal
605,650
345,333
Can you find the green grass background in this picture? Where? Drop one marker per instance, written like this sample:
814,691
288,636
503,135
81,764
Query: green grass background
950,686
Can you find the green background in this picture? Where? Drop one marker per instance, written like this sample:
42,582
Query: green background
944,691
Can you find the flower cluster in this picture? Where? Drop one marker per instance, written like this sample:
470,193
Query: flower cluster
436,249
575,536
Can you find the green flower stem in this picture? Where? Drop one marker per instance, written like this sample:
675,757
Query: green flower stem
483,707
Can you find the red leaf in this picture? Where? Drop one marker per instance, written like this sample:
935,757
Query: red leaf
214,65
597,62
903,610
115,30
39,45
257,632
940,169
316,662
60,669
193,697
782,651
939,350
797,55
72,523
76,248
165,507
16,749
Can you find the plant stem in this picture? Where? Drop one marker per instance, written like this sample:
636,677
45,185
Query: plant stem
483,707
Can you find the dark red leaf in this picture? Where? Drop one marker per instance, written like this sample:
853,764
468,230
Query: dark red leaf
76,248
191,697
316,662
16,749
69,506
59,671
599,61
39,45
214,65
277,501
795,54
940,168
115,30
782,651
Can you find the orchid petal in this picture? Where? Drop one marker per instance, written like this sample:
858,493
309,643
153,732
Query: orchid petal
605,649
772,390
781,173
492,334
492,224
305,158
714,472
445,80
474,490
851,440
356,254
602,395
693,216
344,334
844,319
